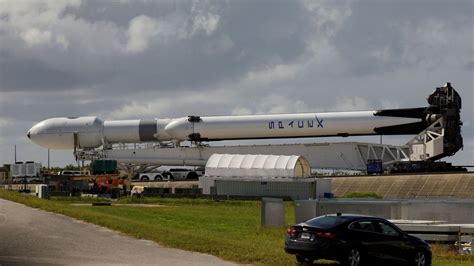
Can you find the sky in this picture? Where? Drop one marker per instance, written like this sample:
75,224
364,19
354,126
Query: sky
157,59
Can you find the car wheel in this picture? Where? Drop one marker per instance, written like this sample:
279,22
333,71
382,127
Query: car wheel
420,259
158,178
192,176
353,257
169,176
145,178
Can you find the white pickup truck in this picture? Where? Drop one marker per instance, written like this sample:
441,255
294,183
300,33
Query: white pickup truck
171,174
150,176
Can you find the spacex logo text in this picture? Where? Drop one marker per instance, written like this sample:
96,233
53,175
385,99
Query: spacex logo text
296,124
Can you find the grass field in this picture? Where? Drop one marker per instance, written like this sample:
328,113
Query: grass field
227,229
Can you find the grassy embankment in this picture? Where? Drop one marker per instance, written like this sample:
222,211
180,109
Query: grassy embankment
227,229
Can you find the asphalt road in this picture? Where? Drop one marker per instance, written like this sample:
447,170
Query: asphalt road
33,237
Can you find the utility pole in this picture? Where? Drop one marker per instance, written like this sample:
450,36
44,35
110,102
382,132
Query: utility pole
49,167
15,154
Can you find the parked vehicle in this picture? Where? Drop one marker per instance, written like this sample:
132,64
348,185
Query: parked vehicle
171,174
180,173
374,167
103,184
137,191
355,240
70,173
157,176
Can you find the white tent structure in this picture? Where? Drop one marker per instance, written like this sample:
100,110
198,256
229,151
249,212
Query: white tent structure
257,165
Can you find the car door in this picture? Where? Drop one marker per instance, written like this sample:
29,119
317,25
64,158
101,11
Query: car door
363,231
393,245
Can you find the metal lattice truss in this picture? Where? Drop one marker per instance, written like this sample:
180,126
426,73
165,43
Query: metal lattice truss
341,155
429,143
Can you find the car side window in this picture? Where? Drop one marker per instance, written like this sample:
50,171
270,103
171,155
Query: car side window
386,229
366,226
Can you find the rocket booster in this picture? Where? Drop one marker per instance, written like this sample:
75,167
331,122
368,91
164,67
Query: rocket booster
92,132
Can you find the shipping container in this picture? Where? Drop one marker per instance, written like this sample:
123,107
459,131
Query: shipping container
99,167
32,169
18,169
28,169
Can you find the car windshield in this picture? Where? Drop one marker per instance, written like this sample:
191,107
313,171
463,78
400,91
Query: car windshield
325,222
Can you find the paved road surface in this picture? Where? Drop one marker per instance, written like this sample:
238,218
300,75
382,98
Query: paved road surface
32,237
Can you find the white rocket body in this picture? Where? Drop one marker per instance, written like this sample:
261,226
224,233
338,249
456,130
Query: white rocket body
92,132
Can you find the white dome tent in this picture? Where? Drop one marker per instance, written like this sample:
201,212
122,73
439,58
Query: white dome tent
253,165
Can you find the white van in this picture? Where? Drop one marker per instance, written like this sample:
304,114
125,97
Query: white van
70,173
137,191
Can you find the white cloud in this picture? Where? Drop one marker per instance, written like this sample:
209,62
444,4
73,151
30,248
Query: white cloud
141,109
390,104
273,74
31,19
204,17
34,37
45,10
157,105
241,111
273,104
351,104
62,42
328,16
141,31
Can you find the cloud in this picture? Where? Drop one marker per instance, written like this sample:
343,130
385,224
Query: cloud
241,111
156,105
351,104
410,34
4,124
142,29
204,17
34,37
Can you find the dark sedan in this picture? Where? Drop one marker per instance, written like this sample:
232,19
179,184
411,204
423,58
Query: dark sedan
355,240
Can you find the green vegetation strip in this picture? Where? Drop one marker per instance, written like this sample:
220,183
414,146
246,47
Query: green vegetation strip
227,229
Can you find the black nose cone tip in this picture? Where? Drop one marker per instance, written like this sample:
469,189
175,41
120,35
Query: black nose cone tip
28,135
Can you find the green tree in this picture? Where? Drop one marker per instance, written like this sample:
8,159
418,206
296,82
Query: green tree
71,167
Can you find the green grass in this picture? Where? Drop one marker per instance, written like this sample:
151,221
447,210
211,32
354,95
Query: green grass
446,256
227,229
452,262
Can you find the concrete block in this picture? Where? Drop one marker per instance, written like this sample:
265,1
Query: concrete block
272,212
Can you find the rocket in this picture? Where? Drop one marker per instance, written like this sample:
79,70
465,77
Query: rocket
441,118
92,132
